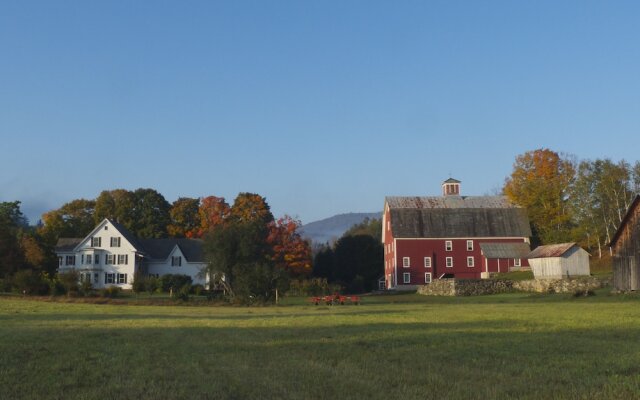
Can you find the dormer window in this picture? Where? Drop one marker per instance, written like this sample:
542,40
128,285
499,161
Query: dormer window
115,241
96,242
176,261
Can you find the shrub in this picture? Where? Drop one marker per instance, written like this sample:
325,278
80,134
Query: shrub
258,282
151,284
139,283
183,292
309,287
30,282
70,281
85,288
197,289
175,282
110,292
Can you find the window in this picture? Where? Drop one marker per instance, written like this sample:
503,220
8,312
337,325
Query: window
60,261
448,245
123,259
88,259
122,278
469,245
470,262
176,261
427,262
96,259
96,242
516,262
115,241
109,278
427,277
81,259
95,277
406,277
449,262
111,259
70,260
406,262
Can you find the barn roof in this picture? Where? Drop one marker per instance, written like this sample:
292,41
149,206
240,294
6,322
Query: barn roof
625,220
505,250
551,250
457,216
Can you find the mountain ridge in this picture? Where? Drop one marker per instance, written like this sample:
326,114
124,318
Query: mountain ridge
332,228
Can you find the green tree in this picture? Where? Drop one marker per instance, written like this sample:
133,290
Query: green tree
73,219
118,205
358,262
541,182
371,227
11,254
151,214
185,218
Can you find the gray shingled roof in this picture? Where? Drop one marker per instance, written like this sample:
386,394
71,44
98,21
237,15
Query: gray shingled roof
505,250
159,249
551,250
127,235
457,216
67,244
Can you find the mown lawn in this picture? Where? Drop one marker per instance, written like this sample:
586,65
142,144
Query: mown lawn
403,346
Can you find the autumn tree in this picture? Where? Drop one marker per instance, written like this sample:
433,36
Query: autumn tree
291,252
185,218
213,212
251,207
540,182
73,219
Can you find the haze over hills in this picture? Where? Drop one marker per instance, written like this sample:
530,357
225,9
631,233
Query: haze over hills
330,229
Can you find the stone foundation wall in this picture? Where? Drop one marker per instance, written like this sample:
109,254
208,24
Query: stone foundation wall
476,287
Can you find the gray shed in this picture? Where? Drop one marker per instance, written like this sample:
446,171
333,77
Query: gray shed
557,261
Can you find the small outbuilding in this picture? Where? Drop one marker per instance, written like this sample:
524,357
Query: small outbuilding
557,261
626,250
503,257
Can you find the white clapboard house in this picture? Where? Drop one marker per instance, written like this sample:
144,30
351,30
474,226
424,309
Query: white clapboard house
110,256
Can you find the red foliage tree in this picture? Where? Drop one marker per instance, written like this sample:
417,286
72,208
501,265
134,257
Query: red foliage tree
290,251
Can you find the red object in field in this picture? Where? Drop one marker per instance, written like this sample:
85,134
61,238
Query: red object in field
335,299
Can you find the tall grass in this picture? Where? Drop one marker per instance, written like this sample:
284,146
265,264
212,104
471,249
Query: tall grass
407,346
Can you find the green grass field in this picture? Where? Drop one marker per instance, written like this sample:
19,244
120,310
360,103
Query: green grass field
400,346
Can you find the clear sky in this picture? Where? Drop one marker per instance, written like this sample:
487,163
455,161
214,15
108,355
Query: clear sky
323,107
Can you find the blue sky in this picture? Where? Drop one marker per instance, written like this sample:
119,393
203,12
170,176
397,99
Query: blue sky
323,107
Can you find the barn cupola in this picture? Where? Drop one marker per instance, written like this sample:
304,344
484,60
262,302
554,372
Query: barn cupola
451,187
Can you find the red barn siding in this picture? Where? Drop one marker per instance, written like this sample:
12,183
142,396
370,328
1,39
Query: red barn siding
418,249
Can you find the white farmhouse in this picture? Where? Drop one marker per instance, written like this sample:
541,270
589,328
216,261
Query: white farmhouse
111,256
557,261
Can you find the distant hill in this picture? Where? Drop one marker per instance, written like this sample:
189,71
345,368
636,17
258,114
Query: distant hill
332,228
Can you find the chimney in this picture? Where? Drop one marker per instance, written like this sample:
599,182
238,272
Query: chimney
451,187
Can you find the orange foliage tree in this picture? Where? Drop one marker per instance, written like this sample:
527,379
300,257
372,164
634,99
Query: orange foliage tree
290,251
213,212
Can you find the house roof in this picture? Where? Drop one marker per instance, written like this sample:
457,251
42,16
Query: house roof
625,220
551,250
159,249
127,235
67,244
457,216
505,250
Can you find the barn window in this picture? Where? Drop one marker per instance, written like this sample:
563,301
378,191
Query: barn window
406,262
427,277
469,245
516,262
448,245
449,262
406,277
470,262
427,262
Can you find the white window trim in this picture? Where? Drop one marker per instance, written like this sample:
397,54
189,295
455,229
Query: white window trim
427,277
406,264
406,275
427,262
449,262
448,245
517,262
469,245
473,262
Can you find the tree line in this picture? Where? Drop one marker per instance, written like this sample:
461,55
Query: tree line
570,200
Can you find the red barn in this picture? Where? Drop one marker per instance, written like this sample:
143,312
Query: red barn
451,236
